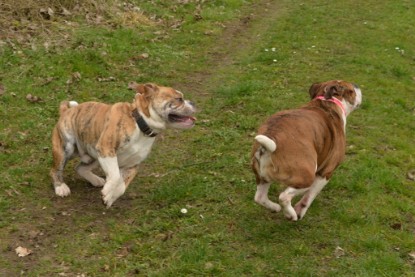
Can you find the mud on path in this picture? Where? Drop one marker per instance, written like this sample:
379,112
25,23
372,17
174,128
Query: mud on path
43,227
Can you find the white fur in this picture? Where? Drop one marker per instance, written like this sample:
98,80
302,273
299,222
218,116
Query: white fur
136,150
261,197
359,97
85,170
114,186
285,200
302,206
62,190
266,142
73,104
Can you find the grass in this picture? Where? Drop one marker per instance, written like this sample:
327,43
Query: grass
238,76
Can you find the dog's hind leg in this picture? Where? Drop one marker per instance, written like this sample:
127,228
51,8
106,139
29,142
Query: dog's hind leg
85,170
285,200
261,197
302,206
61,154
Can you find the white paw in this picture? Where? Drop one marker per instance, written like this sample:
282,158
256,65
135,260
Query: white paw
62,190
290,214
110,193
86,159
275,207
98,182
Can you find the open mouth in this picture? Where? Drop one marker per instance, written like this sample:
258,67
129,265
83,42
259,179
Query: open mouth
182,119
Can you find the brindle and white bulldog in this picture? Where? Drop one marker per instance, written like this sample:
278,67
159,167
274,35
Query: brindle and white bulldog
116,137
301,148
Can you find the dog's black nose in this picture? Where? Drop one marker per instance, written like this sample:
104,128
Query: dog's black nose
192,104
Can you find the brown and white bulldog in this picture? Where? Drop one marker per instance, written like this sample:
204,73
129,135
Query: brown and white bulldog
116,137
301,148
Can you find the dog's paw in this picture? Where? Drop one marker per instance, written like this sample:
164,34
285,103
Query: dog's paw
290,214
275,207
112,193
98,182
62,190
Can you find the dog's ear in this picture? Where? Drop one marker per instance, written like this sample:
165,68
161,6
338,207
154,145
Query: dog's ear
314,89
144,95
147,89
332,90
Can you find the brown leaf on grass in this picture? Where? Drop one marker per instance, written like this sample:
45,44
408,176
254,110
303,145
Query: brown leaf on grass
22,252
338,252
108,79
33,99
65,12
144,56
396,226
411,175
164,236
47,81
46,13
76,76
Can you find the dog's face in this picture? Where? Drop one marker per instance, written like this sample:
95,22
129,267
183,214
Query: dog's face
342,90
165,104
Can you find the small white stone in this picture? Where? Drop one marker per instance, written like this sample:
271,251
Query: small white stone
183,211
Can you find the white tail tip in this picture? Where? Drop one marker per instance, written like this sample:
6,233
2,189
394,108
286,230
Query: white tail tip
266,142
73,104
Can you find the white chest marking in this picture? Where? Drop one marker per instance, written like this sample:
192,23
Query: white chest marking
135,151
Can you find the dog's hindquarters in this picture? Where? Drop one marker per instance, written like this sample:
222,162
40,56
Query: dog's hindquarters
261,157
62,150
268,168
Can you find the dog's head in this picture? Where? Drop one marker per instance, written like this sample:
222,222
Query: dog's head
348,93
164,107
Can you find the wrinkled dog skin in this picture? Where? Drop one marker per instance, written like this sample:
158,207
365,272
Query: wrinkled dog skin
301,148
115,137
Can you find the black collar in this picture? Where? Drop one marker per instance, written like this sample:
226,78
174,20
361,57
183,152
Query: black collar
142,124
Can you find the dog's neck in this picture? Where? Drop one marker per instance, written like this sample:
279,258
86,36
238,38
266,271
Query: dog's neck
340,104
142,124
335,101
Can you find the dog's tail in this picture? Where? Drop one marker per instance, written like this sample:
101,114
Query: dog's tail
65,105
266,142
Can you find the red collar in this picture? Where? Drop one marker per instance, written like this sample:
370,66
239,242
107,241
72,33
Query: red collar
333,100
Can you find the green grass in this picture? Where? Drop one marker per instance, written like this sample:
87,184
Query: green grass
237,77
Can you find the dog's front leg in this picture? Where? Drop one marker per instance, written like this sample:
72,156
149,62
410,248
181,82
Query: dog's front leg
114,186
128,174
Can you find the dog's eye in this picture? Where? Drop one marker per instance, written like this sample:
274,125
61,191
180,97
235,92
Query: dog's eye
180,99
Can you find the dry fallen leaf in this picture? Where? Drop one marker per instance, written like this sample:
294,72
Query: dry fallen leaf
33,99
22,252
338,252
46,13
47,81
76,75
65,12
109,79
144,56
411,175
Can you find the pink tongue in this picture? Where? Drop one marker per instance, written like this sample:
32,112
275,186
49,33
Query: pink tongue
190,119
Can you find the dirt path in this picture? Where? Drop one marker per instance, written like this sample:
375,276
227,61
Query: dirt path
235,41
44,225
